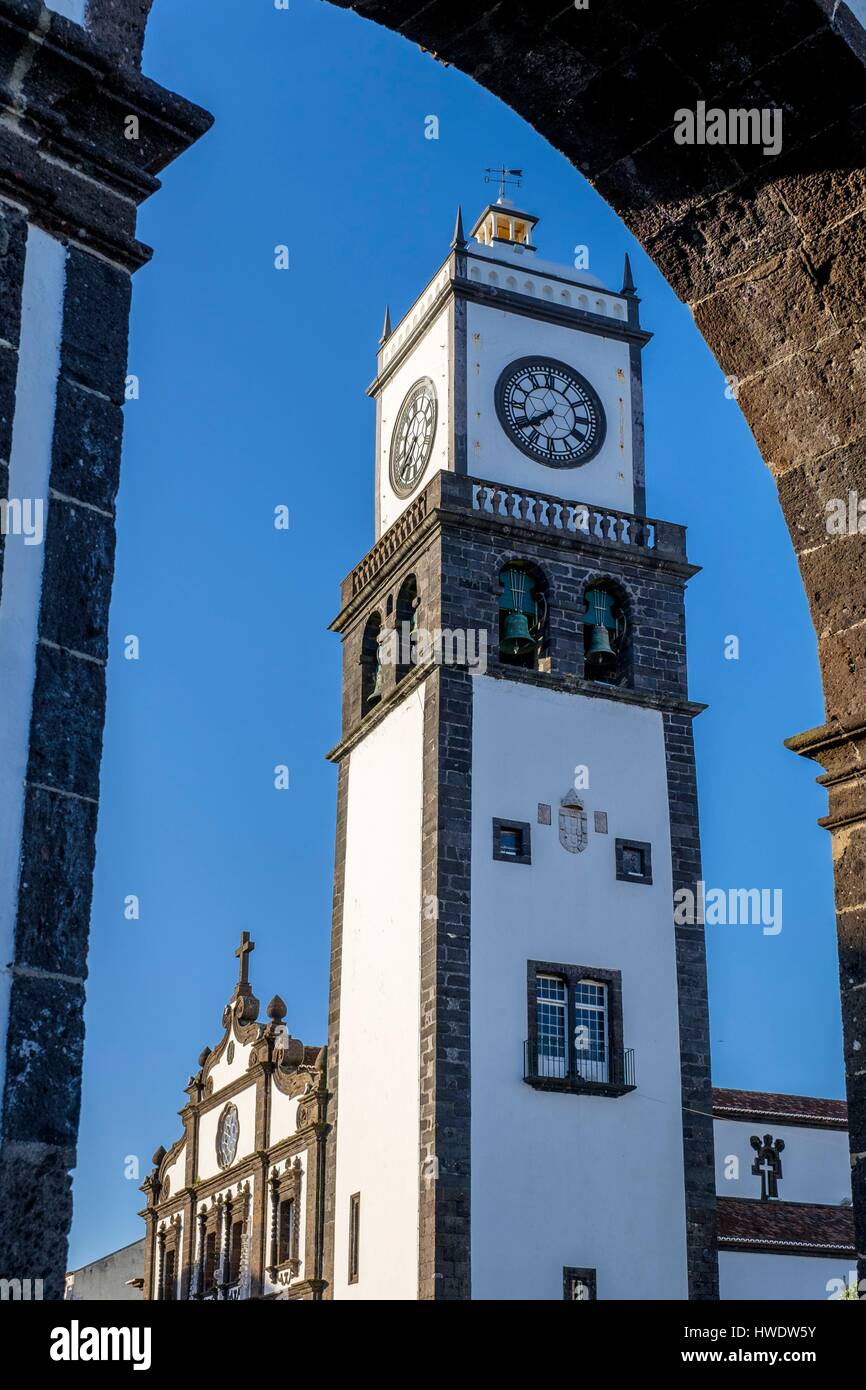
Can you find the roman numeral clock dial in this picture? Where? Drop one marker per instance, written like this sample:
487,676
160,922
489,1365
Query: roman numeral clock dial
412,440
550,412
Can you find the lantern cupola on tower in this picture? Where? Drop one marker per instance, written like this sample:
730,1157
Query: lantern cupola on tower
501,223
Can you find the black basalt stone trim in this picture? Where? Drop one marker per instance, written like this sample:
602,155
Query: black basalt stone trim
76,587
8,378
34,1180
67,721
445,1145
44,1049
119,26
13,249
88,437
334,1023
95,324
57,859
693,1009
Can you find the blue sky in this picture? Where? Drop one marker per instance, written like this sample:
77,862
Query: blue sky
252,396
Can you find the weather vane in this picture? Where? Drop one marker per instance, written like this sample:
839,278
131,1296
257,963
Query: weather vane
503,177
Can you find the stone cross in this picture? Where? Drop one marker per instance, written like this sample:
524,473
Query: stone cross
243,955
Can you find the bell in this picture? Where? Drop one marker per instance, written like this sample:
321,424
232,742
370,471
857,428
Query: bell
376,693
517,639
600,655
599,643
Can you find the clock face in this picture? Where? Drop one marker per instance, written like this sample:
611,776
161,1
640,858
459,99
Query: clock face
550,412
227,1135
412,440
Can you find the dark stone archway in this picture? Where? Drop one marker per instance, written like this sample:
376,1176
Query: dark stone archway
768,252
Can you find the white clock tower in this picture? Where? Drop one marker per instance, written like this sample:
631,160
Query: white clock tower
518,1038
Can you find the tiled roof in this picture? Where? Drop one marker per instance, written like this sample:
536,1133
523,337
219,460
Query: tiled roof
768,1105
793,1228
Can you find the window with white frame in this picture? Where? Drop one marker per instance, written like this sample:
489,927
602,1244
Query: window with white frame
551,1025
590,1030
575,1024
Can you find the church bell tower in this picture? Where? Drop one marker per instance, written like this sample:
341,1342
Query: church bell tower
518,1034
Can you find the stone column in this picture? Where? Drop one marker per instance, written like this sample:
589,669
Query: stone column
73,169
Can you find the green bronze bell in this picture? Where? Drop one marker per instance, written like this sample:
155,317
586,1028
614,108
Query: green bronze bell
605,629
519,613
516,638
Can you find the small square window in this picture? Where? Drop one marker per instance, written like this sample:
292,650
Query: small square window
634,861
511,841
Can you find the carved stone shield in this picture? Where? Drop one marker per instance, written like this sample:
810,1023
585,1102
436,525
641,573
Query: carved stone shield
573,829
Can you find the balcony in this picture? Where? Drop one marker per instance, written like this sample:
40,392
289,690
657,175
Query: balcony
583,1077
580,523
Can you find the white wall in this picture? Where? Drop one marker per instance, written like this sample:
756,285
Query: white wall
431,358
816,1166
497,337
246,1105
777,1278
176,1172
29,471
223,1072
561,1179
284,1115
378,1112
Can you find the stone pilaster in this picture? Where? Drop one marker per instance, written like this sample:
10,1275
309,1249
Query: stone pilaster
70,184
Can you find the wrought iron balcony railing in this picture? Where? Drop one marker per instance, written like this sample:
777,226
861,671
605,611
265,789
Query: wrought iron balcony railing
613,1076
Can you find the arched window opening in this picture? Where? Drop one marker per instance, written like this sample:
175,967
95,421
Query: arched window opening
522,616
371,665
407,625
604,635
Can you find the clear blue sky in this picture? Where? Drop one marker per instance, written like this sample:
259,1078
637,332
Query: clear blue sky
252,395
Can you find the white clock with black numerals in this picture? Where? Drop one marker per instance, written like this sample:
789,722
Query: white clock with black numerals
550,412
412,439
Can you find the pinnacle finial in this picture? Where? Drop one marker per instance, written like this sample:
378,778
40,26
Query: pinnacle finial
276,1010
458,241
386,326
627,277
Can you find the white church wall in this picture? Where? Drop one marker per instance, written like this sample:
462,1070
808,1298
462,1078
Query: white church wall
29,470
246,1105
284,1115
493,341
224,1072
430,357
378,1104
557,1179
176,1172
816,1166
778,1278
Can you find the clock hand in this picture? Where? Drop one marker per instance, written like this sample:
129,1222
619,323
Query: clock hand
536,419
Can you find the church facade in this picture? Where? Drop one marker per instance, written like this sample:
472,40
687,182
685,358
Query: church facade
234,1207
515,1100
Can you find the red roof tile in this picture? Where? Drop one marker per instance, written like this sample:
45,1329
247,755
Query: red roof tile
770,1106
794,1228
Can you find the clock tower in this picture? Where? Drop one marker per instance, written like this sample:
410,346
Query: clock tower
518,1035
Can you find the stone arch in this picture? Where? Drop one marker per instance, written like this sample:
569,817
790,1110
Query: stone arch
767,252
